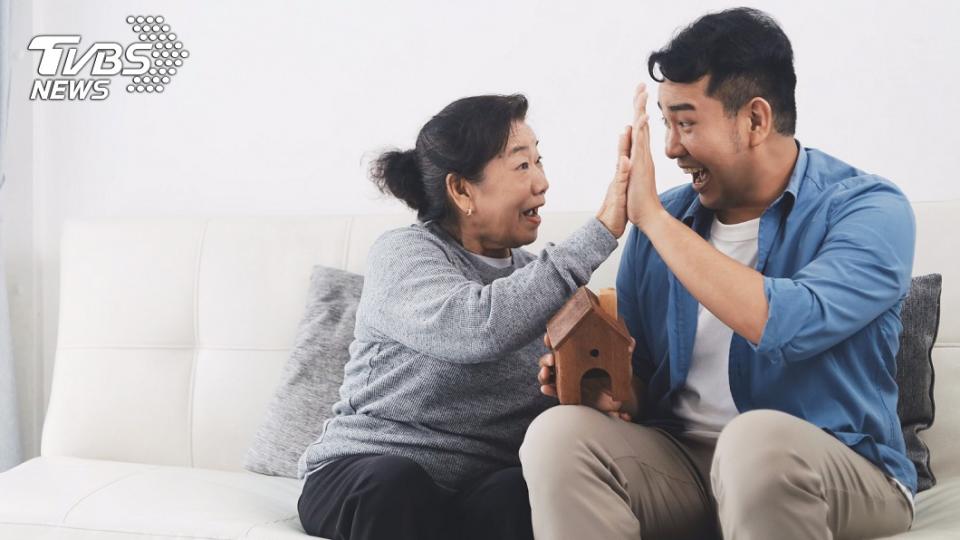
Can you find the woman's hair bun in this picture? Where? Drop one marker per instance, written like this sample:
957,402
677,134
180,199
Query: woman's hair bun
398,173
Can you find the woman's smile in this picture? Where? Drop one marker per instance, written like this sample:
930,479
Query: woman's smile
532,215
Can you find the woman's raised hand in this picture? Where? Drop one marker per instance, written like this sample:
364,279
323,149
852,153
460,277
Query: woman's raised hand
613,212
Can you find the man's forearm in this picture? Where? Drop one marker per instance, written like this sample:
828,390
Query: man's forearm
731,291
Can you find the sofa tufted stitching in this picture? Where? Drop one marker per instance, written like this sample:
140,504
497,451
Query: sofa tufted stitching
101,488
196,338
346,243
111,531
246,533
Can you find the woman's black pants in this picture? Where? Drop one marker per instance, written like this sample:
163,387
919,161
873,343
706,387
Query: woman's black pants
393,498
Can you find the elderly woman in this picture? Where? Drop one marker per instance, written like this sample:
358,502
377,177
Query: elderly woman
442,378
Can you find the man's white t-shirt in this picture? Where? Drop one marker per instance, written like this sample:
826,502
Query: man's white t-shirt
705,403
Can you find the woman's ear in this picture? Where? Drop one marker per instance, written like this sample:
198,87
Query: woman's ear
459,192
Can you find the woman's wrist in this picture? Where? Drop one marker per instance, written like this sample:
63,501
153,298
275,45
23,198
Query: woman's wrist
615,229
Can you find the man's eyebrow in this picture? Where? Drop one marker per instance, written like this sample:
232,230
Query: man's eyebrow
682,107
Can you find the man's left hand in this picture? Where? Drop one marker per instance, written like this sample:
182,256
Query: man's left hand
643,202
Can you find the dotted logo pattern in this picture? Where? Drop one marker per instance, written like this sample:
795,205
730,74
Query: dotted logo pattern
167,53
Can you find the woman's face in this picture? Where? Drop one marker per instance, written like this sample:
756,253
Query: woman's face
506,202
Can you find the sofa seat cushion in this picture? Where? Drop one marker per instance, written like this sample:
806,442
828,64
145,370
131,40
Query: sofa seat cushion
73,498
937,517
65,497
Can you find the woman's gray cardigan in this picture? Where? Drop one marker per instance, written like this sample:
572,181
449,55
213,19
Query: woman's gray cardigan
443,367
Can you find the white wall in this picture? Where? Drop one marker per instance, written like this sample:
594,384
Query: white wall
280,103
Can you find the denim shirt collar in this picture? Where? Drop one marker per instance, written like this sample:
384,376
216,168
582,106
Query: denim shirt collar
699,217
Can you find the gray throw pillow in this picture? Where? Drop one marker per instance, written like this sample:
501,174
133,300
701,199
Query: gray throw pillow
921,318
312,377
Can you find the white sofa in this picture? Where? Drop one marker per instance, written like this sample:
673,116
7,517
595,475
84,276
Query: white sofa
172,337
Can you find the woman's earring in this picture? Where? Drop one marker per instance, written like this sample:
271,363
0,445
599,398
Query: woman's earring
470,211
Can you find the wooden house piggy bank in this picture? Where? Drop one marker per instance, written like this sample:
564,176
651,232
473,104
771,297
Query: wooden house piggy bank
587,334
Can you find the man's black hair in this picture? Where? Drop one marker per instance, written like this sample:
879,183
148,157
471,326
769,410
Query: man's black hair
745,53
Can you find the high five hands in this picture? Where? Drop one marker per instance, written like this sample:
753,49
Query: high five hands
632,195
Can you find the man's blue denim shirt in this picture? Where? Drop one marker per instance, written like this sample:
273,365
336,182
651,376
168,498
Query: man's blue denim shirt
836,252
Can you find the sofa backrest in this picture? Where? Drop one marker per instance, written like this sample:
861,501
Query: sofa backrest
173,333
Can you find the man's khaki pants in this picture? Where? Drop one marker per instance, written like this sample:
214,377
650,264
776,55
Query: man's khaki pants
769,476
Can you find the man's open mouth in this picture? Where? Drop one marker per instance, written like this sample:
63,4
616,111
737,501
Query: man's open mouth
701,175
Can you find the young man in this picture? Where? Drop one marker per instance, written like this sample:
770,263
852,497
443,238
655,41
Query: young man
765,301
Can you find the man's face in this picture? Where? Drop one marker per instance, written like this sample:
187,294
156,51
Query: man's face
707,143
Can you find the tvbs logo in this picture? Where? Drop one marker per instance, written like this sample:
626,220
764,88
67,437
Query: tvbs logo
149,64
